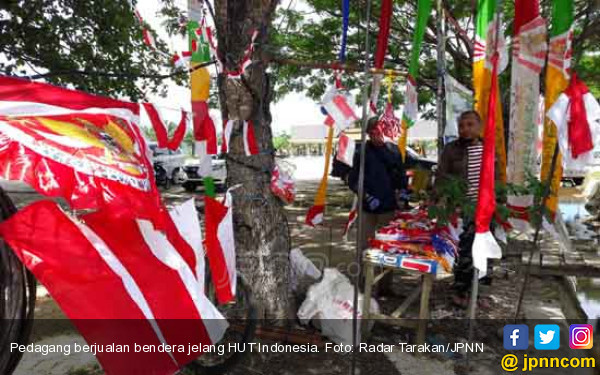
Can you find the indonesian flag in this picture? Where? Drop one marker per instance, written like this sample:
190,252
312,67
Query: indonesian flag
204,127
162,137
182,61
314,216
576,114
339,108
346,147
147,35
87,149
351,217
220,246
250,144
484,245
136,287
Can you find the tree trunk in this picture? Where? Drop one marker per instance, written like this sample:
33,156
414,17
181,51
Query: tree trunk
261,230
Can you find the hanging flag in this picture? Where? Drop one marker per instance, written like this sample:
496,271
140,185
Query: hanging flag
351,217
409,115
182,61
346,147
146,34
250,144
484,43
389,124
339,108
205,132
314,215
557,80
484,245
162,137
380,51
576,114
220,246
528,59
84,148
458,99
149,295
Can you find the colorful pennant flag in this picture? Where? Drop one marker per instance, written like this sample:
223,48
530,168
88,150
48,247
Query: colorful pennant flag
149,295
486,31
529,55
84,148
557,80
409,115
220,246
314,216
485,245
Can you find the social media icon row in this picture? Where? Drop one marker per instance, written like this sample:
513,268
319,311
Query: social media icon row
547,336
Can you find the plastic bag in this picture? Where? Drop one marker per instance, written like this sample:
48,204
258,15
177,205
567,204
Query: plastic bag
331,302
303,271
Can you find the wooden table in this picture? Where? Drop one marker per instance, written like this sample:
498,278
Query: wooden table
423,289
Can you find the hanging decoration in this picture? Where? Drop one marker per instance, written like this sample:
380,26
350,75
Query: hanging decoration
160,129
576,114
380,51
529,55
409,116
147,35
250,144
282,184
484,245
484,42
346,148
458,99
557,80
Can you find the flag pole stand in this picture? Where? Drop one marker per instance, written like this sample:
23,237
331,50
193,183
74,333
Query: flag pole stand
361,189
536,239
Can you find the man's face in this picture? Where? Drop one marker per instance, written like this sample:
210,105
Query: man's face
376,137
469,127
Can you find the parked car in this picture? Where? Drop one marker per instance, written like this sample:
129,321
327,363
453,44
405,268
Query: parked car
195,177
171,161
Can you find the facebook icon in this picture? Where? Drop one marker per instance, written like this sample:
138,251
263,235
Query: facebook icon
516,337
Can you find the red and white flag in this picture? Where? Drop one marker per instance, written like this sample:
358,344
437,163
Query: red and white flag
162,137
250,144
204,127
132,288
147,35
351,217
339,108
346,147
182,61
485,245
314,216
85,148
220,246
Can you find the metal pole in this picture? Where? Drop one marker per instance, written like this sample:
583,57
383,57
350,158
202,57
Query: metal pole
361,188
546,194
441,71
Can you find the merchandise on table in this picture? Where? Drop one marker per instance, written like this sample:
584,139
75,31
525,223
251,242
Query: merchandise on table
413,241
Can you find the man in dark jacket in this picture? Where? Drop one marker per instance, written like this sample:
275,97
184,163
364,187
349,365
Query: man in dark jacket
385,178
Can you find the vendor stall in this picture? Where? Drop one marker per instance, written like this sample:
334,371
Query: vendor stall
411,243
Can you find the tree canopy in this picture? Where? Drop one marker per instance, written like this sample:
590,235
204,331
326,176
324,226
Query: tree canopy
315,35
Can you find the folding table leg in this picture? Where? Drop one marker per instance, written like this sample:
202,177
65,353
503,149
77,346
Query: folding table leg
369,275
424,309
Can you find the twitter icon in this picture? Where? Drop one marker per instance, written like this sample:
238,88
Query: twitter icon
547,337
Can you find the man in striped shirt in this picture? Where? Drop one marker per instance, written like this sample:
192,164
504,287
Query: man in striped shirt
461,159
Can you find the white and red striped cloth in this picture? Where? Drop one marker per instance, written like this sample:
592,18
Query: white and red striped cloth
346,147
250,144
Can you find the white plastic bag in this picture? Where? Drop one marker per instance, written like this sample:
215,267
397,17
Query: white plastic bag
302,270
331,301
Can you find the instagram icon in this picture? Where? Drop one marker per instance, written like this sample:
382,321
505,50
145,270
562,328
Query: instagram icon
581,336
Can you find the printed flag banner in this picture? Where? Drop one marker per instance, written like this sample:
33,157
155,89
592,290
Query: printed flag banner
529,55
84,148
409,116
339,107
220,246
482,77
149,295
458,99
557,80
346,147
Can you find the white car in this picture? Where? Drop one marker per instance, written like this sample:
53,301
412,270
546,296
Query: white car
172,161
195,178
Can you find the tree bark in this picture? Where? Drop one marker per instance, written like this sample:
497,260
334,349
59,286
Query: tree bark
261,230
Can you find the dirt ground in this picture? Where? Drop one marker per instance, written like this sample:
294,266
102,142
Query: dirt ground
326,248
